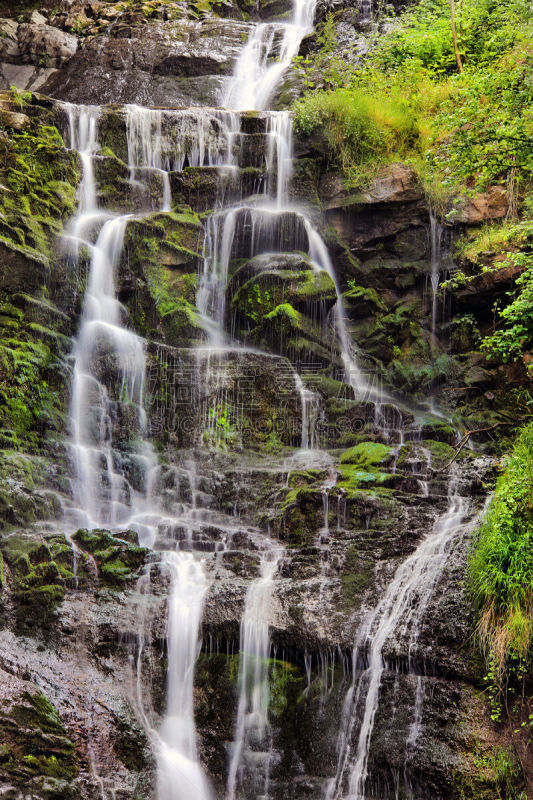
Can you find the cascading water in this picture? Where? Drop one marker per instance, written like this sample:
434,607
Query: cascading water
399,613
250,756
119,491
180,775
110,490
265,58
436,235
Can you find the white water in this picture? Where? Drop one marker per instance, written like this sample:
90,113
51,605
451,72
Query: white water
398,614
180,776
160,141
310,406
109,366
108,380
265,58
436,235
250,754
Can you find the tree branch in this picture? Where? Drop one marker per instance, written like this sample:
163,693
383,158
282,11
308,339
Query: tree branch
465,439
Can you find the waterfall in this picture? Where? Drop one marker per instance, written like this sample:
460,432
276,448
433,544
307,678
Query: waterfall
279,157
309,402
180,775
436,235
399,612
265,58
250,750
115,488
118,488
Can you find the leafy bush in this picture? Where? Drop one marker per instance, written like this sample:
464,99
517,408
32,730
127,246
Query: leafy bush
406,100
362,127
516,319
501,564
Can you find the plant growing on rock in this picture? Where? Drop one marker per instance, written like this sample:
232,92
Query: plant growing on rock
501,573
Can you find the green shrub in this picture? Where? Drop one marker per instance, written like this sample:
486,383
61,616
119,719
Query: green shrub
515,333
501,564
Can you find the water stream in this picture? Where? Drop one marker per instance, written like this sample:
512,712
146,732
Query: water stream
117,489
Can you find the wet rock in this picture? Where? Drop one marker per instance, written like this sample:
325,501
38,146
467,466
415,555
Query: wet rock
175,63
14,120
393,206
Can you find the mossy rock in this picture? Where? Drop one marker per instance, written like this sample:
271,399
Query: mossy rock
367,455
308,291
118,560
36,749
352,478
356,577
439,432
441,453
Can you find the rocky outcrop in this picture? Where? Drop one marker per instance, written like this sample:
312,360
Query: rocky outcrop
489,205
175,63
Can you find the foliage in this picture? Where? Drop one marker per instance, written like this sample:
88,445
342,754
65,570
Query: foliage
360,126
516,334
492,238
501,568
407,101
28,404
18,97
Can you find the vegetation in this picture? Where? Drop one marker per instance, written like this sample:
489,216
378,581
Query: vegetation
501,569
409,101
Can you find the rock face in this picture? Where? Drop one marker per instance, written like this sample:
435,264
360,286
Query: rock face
492,204
44,45
175,63
83,651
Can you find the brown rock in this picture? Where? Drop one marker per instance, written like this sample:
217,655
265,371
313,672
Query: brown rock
396,183
45,46
491,204
14,120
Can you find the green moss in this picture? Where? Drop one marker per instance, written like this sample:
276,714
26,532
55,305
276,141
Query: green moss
299,478
38,712
441,453
489,773
36,747
356,577
439,432
117,559
368,454
352,477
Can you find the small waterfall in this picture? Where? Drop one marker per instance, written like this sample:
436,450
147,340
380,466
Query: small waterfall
108,371
83,121
172,139
436,235
250,755
180,776
144,135
309,402
400,612
279,156
265,58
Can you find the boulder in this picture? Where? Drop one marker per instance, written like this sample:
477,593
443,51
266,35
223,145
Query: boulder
172,63
9,49
44,45
394,183
492,204
14,120
36,18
